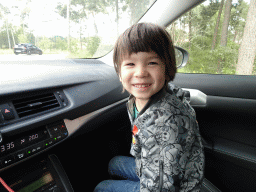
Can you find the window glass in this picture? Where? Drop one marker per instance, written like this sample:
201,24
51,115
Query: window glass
75,28
220,36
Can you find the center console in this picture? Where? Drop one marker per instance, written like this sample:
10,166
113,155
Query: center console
44,175
37,174
16,146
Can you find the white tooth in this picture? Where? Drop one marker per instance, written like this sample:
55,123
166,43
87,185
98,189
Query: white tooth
141,86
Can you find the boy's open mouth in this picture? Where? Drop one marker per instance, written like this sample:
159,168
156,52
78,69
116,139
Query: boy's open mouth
141,85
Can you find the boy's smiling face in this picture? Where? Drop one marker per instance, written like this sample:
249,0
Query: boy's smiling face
142,75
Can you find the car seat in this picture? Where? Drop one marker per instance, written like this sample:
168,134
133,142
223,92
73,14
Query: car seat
209,187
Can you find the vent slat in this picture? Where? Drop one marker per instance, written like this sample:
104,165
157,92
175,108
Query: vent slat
34,109
31,112
35,104
22,102
26,105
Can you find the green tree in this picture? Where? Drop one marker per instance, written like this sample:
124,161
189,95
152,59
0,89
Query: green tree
1,11
30,38
238,19
22,38
224,32
247,49
136,8
45,43
93,44
217,25
61,43
80,10
3,40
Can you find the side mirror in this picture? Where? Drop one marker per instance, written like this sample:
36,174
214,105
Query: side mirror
181,57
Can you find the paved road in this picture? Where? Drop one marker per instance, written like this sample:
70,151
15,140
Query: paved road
31,57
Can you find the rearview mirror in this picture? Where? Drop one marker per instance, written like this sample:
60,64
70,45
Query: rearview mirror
181,56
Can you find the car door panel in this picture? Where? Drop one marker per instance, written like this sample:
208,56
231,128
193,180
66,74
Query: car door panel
227,124
238,86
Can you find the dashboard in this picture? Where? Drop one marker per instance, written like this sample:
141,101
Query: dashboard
46,102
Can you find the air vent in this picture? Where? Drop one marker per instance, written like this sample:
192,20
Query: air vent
36,104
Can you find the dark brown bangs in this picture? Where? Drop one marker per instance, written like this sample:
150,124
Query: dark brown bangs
137,39
131,41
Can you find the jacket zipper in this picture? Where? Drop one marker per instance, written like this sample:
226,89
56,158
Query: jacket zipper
160,175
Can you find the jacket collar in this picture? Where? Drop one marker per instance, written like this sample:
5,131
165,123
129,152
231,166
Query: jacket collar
153,99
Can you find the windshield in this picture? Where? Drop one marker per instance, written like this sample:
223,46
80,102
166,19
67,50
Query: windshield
72,28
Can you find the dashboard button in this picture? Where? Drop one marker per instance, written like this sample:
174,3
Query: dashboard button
53,189
65,134
8,160
54,130
7,112
20,155
49,142
35,149
63,128
59,137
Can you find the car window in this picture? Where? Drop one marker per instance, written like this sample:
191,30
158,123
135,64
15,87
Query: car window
79,29
220,37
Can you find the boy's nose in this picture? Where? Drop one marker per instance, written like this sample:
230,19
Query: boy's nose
141,72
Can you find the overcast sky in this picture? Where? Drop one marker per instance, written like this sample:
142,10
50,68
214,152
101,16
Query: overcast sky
43,20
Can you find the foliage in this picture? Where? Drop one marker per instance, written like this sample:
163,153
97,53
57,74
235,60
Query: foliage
60,43
22,38
73,45
221,60
93,44
3,40
79,54
6,51
45,43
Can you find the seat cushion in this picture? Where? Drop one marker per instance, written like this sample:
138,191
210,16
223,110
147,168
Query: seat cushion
209,187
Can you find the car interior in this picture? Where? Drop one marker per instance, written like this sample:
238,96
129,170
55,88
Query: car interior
63,120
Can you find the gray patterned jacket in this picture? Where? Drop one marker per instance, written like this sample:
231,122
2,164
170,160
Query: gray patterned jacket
167,145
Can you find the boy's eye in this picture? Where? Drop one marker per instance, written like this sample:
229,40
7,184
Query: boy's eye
130,64
153,63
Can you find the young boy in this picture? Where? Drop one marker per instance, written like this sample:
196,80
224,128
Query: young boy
166,141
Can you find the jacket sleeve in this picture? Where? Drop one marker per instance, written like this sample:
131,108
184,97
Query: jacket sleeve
194,168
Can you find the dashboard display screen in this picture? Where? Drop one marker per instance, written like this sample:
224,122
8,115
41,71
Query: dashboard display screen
14,143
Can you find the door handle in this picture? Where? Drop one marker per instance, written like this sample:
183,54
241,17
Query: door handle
196,97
